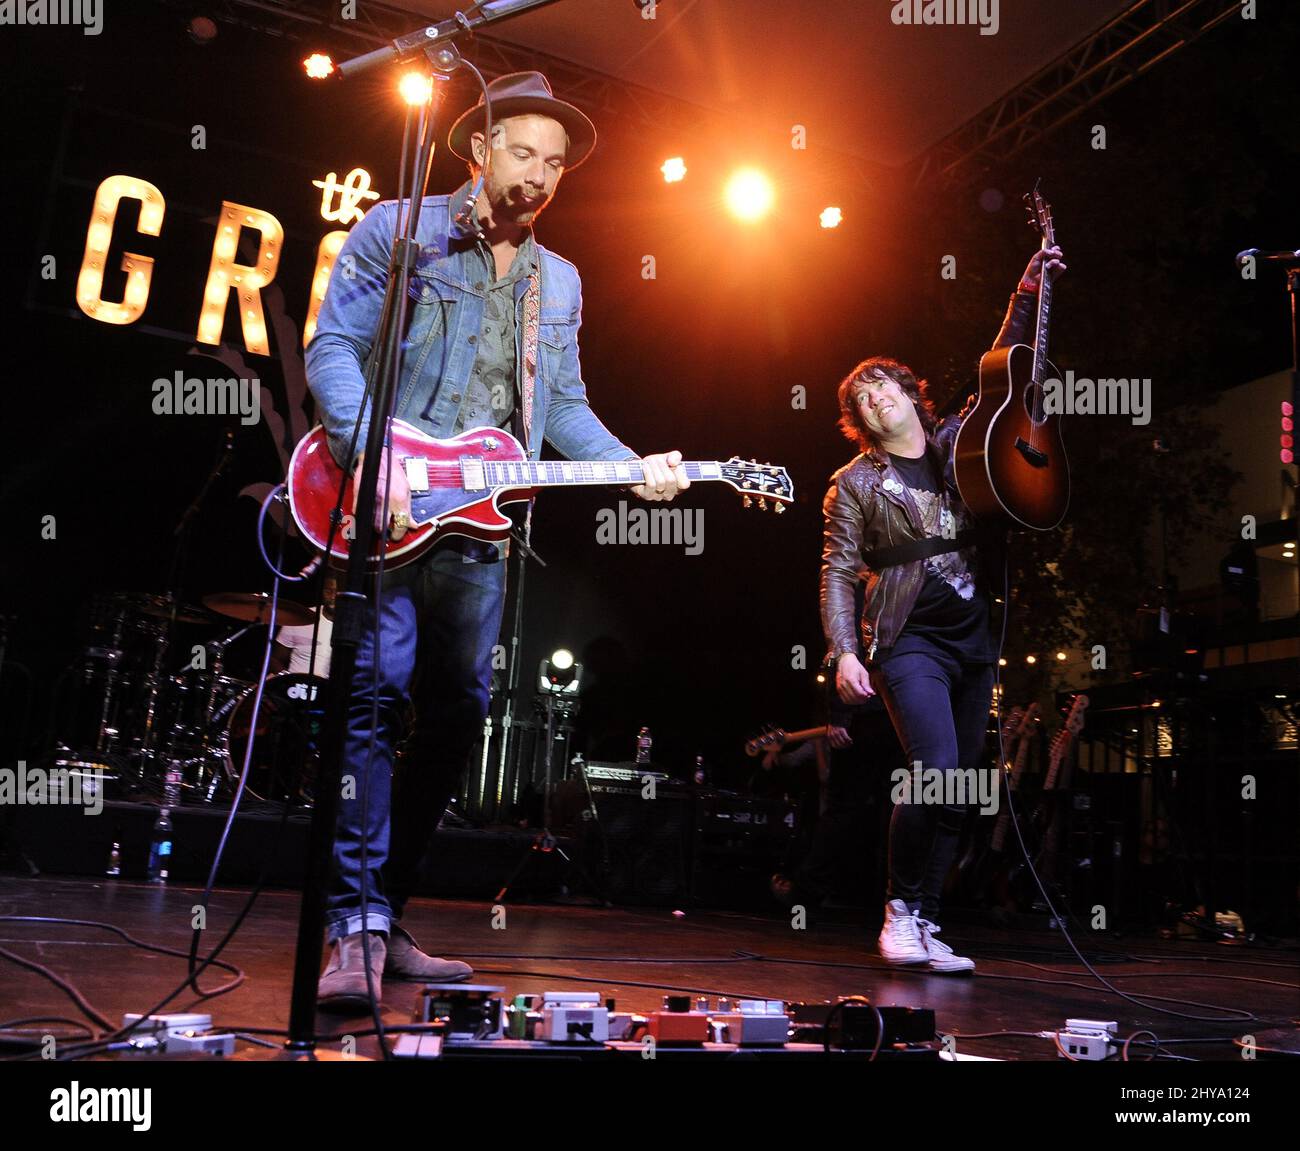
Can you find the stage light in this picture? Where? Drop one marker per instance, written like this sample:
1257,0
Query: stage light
1002,662
1031,659
674,170
202,30
750,194
821,678
416,88
319,66
831,217
559,675
1061,656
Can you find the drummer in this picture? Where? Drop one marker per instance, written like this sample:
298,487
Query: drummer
293,643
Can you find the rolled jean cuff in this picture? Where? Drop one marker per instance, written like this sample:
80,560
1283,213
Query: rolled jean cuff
351,925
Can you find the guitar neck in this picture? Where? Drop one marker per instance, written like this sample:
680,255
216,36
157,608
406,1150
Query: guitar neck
576,473
1042,326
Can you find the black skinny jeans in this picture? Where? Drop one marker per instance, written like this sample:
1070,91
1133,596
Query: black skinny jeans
940,710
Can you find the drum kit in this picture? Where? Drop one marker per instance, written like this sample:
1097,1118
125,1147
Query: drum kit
179,728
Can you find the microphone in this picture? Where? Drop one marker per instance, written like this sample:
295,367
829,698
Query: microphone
1279,256
413,43
399,49
311,567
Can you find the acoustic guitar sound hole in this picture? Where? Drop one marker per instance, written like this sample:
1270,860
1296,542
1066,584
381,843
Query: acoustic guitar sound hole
1033,397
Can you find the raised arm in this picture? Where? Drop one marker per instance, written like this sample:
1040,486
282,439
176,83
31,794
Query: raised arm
1017,325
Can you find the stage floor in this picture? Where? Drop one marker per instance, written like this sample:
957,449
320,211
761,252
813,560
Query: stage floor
1027,981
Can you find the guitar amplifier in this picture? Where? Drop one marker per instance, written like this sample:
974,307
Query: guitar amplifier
639,846
739,842
624,773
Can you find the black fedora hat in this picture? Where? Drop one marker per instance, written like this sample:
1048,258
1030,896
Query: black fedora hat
518,94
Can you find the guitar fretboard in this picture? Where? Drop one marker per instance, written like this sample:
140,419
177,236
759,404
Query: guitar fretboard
545,473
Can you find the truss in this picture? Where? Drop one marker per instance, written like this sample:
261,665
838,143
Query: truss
1133,43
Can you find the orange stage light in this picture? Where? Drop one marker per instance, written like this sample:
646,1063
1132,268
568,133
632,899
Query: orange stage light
319,66
750,194
674,170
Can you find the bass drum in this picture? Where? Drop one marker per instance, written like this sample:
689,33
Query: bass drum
286,744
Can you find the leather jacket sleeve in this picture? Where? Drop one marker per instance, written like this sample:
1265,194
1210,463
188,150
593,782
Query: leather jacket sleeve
841,564
1018,323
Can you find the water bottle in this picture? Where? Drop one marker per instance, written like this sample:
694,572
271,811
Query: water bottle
643,743
160,847
172,785
115,860
699,771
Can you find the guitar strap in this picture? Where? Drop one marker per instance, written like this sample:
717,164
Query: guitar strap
528,377
523,419
921,549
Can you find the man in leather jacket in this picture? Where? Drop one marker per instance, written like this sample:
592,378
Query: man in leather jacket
926,642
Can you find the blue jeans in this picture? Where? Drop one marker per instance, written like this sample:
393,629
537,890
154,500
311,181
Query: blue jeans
438,622
940,711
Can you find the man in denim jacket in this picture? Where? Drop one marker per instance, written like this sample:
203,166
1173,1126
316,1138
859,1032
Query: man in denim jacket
469,360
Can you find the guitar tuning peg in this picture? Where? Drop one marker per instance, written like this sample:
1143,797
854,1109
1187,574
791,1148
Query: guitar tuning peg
780,508
762,504
746,502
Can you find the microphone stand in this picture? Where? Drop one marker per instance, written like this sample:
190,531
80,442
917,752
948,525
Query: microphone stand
181,532
509,736
436,44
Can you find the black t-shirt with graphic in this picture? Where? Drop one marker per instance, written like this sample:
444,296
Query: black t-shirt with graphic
941,616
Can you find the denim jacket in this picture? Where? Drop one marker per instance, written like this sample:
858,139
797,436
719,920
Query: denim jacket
445,316
868,507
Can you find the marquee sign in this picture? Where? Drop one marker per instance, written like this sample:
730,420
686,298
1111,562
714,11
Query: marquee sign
339,202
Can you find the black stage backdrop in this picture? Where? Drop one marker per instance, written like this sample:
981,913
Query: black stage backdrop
703,357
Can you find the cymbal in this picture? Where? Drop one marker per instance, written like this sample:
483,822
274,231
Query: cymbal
255,607
162,607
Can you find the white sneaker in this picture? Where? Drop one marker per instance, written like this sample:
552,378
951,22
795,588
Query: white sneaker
901,940
942,957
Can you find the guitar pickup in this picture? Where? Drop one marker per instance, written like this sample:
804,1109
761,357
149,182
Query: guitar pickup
1036,457
472,477
417,473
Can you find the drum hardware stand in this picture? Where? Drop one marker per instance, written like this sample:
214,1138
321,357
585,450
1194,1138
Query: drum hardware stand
544,842
207,758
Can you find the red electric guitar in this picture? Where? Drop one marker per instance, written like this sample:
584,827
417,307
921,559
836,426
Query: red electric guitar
1009,458
458,484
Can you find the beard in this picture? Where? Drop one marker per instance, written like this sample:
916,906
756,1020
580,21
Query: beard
518,205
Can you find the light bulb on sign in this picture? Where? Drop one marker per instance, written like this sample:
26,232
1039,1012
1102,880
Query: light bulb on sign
354,188
326,253
250,277
99,236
